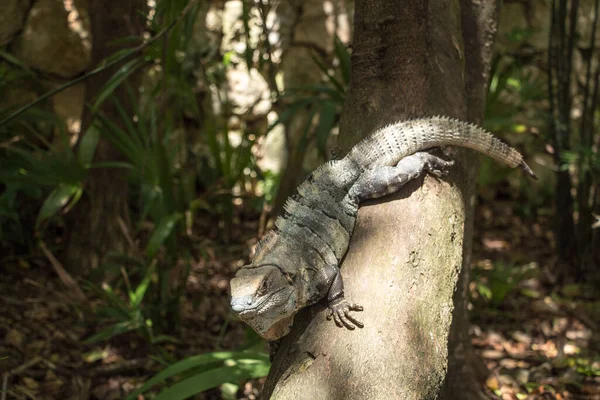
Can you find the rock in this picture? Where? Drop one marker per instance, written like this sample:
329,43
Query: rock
273,155
248,92
12,17
56,38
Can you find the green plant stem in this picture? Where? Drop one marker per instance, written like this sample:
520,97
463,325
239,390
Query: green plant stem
102,67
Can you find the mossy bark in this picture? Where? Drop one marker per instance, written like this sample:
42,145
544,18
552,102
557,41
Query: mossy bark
408,250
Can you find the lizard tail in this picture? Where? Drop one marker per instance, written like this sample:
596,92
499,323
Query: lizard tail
391,143
526,168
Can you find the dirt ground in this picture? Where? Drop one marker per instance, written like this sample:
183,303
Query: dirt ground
537,341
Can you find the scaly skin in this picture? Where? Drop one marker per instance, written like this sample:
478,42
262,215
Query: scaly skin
297,264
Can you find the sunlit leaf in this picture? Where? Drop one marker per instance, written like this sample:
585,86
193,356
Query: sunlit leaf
212,378
260,362
58,199
135,298
88,144
484,291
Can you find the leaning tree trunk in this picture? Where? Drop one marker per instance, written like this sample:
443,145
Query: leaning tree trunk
410,59
93,226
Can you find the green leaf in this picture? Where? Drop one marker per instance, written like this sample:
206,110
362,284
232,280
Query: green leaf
212,378
117,55
113,300
345,64
114,330
202,360
164,339
58,199
290,111
165,177
161,233
327,119
122,73
88,144
122,141
14,60
112,164
336,83
135,298
484,291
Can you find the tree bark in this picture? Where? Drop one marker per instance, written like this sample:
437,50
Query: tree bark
479,25
92,226
407,250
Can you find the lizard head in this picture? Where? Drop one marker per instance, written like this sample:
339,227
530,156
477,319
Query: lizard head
264,296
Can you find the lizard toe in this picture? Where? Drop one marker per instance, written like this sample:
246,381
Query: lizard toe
337,319
340,312
353,320
347,322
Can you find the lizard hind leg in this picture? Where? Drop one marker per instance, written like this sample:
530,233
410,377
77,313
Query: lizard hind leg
385,180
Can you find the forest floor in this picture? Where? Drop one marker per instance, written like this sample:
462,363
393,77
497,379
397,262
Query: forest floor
536,340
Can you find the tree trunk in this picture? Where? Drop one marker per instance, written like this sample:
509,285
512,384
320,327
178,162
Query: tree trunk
93,228
479,24
405,258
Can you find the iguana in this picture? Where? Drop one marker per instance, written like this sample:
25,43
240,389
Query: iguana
297,264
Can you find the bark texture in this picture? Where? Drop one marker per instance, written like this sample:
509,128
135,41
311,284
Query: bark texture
407,250
479,25
93,228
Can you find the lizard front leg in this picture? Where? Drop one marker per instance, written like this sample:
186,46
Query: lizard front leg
382,181
339,307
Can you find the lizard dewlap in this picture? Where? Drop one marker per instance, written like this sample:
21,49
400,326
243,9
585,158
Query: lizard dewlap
297,264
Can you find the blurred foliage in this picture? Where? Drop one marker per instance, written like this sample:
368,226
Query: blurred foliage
495,283
181,159
322,101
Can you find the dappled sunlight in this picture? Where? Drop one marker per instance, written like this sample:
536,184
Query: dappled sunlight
134,190
74,19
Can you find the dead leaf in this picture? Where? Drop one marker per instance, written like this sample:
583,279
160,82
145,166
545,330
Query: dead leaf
31,383
492,383
14,338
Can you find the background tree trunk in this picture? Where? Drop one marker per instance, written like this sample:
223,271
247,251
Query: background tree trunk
307,32
93,227
406,255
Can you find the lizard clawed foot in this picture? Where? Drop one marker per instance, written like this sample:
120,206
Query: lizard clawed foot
340,312
438,167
